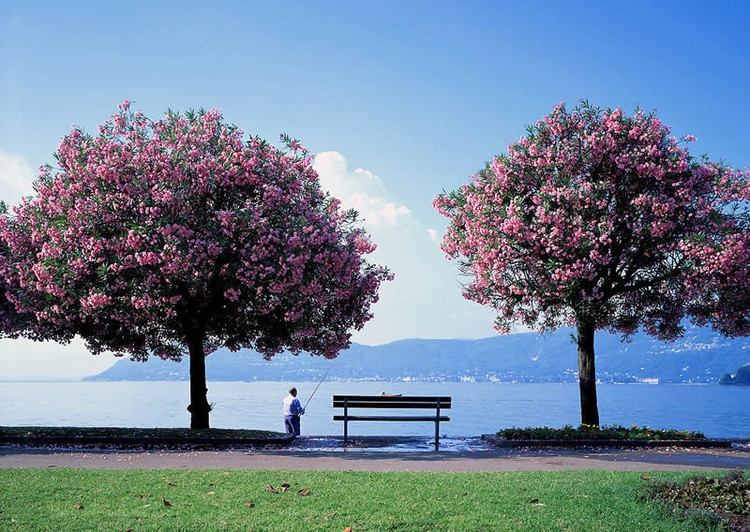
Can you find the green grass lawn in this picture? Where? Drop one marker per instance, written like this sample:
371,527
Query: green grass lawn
120,500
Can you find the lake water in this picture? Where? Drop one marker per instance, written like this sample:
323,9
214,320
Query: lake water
478,408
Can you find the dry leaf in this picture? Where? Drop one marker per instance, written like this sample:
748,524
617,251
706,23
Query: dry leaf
285,487
534,501
646,477
348,529
78,506
167,503
170,484
271,489
249,504
303,492
211,493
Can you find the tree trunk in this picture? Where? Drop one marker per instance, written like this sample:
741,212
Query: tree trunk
587,373
199,407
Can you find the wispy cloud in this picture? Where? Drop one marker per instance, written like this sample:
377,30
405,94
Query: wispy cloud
16,178
360,190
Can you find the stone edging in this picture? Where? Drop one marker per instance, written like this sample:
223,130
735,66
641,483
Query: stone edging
142,442
693,444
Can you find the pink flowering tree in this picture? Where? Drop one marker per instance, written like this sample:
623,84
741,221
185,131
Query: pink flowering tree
176,237
599,220
12,323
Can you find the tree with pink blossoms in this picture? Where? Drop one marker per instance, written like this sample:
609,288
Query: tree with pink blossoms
176,237
600,220
12,323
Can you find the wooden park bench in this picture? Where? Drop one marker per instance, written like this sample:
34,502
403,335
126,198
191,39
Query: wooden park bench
349,402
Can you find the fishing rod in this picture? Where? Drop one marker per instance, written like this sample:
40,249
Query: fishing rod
318,386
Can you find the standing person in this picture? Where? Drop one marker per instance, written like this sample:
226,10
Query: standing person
292,411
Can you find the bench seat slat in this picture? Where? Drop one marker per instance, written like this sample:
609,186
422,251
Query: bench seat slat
389,418
367,404
394,398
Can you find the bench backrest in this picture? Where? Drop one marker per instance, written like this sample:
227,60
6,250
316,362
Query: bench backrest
390,401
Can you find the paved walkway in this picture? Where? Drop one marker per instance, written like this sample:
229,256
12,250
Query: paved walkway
668,459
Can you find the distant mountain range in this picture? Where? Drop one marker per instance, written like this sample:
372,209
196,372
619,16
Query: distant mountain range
702,356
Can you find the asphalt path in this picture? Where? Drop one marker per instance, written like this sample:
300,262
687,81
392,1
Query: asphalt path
523,459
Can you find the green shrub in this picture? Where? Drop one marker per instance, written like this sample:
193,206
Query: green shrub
588,432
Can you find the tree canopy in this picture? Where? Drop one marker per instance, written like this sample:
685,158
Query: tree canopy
176,236
603,221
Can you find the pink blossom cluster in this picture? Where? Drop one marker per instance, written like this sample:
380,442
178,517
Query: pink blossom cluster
153,234
600,217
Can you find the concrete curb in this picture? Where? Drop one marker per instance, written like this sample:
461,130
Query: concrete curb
142,442
499,441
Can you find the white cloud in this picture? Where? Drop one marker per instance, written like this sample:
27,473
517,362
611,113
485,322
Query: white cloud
424,300
359,189
16,178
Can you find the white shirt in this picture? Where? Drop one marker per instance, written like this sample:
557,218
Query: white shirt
292,406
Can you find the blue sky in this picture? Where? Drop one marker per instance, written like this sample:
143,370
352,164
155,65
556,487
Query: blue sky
400,99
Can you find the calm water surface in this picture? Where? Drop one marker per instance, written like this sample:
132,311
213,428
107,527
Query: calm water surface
478,408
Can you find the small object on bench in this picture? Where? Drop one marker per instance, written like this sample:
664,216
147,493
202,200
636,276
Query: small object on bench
389,401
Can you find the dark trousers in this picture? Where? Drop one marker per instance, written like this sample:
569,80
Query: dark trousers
292,425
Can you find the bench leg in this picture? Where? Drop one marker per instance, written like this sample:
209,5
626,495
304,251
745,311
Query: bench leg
346,421
437,424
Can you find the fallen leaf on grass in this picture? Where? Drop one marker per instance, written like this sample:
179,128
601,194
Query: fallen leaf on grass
249,505
167,503
211,493
78,506
170,484
285,487
646,477
535,502
303,492
348,529
271,489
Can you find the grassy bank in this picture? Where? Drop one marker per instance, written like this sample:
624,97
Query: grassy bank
61,499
